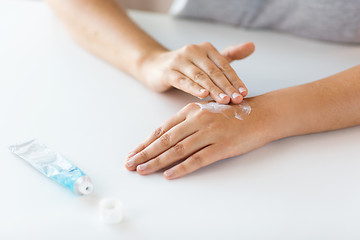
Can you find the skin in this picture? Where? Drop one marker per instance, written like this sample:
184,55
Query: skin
103,27
195,138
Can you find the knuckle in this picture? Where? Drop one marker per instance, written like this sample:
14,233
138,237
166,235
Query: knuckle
189,48
217,74
165,140
199,76
176,60
158,132
214,90
198,161
140,147
183,168
230,89
207,44
215,125
225,67
179,149
179,79
157,161
192,106
203,113
143,155
213,71
204,116
235,81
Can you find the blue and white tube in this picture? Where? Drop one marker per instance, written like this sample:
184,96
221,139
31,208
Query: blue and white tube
53,165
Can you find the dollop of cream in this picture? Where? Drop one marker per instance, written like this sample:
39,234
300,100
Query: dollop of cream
240,110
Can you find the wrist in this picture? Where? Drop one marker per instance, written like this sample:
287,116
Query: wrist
275,115
287,112
144,61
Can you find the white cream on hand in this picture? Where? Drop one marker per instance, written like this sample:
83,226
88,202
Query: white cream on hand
239,110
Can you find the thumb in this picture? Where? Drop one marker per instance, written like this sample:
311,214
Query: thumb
240,51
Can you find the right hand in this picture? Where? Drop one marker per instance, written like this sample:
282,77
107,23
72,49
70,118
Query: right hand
199,70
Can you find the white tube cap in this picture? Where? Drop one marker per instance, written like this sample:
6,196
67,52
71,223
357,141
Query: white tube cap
83,185
111,210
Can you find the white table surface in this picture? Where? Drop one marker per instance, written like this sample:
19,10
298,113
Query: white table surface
304,187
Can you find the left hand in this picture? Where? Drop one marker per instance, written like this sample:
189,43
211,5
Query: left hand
195,137
200,70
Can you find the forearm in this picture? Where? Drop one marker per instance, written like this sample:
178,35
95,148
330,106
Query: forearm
198,136
328,104
104,28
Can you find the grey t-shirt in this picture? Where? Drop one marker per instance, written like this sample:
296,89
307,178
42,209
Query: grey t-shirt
331,20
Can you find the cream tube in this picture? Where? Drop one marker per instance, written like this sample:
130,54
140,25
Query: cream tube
53,165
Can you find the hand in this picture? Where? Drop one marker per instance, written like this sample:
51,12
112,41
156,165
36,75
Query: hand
199,70
196,137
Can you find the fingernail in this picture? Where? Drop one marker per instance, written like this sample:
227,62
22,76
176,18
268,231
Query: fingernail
222,95
202,91
242,90
141,167
130,162
168,173
235,95
131,154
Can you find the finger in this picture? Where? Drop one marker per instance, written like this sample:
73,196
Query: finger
180,151
173,121
228,71
180,81
161,144
198,160
219,78
201,78
239,51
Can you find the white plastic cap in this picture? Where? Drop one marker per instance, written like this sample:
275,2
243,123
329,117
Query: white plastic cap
83,185
111,210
